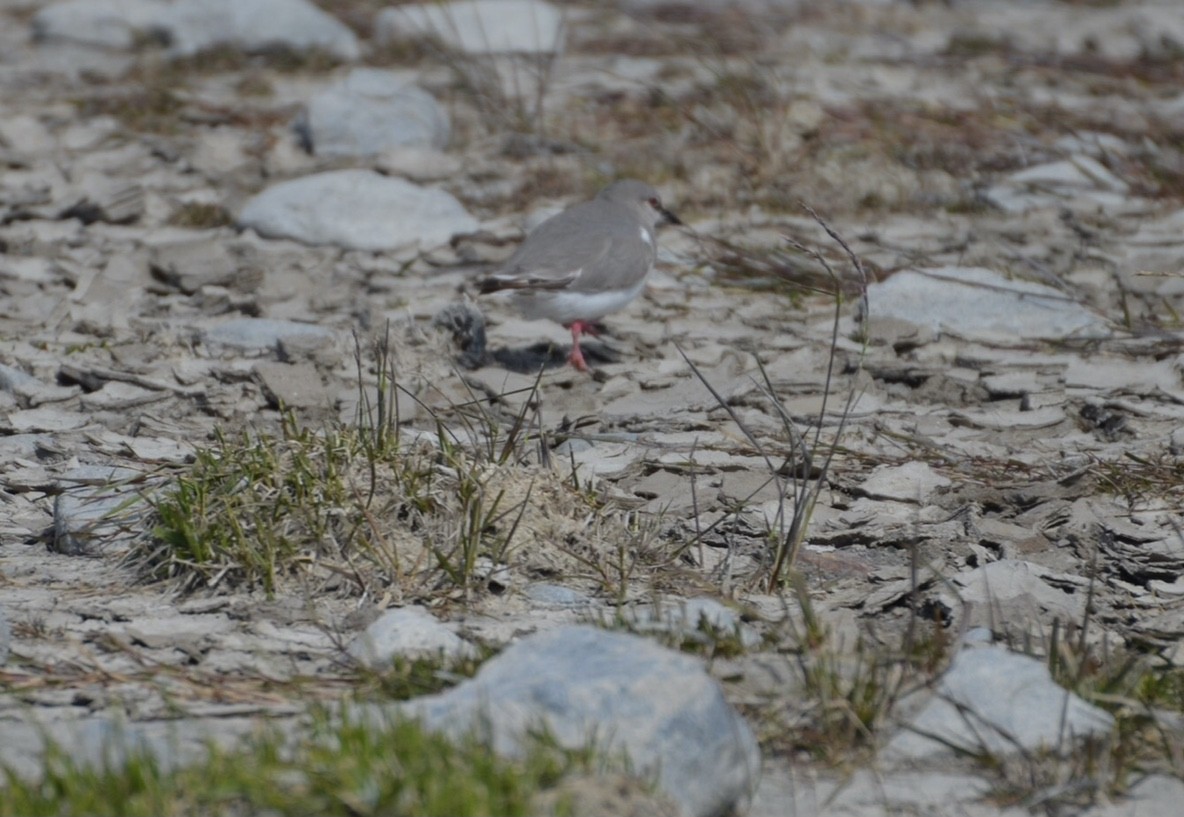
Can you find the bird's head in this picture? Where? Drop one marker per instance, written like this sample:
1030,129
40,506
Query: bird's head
641,198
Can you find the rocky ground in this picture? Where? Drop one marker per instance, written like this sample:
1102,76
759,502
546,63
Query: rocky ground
210,213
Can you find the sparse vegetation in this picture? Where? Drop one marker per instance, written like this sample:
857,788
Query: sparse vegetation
342,766
200,216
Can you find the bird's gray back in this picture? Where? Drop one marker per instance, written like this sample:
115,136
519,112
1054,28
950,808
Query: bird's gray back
598,237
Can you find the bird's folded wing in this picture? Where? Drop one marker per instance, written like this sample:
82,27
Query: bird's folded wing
547,265
542,279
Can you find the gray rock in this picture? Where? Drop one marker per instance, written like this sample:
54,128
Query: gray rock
358,210
911,482
1078,179
255,25
118,396
995,701
45,418
163,630
106,23
99,197
1030,593
12,378
625,694
409,632
418,164
295,385
191,265
370,112
978,303
95,502
555,595
485,27
260,333
1075,173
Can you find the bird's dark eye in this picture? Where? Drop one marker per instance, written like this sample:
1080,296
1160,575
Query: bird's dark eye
655,202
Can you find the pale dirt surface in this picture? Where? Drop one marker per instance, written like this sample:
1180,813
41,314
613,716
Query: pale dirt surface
907,126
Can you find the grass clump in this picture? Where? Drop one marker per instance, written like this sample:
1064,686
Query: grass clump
198,215
343,766
332,505
847,693
367,508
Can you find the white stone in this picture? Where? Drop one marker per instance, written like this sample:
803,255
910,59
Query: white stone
977,303
106,23
358,210
911,482
992,700
197,25
408,632
372,111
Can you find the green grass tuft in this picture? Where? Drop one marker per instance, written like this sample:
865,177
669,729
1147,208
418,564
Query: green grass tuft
344,766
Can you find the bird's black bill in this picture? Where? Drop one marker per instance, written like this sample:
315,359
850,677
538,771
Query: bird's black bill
669,217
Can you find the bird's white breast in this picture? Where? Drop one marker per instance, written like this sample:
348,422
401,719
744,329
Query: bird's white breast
565,306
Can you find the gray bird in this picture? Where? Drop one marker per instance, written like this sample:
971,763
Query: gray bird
590,260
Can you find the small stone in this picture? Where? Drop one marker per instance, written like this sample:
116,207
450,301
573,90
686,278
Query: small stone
43,419
373,111
261,333
555,595
191,265
911,482
96,501
409,632
116,395
102,198
419,164
293,385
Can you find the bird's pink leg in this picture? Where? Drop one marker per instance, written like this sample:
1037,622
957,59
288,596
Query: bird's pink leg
576,358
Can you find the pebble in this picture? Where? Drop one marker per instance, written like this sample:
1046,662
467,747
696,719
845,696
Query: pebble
259,334
408,632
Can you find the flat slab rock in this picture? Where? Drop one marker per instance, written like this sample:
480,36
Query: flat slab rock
911,482
996,701
627,694
357,210
192,26
978,303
